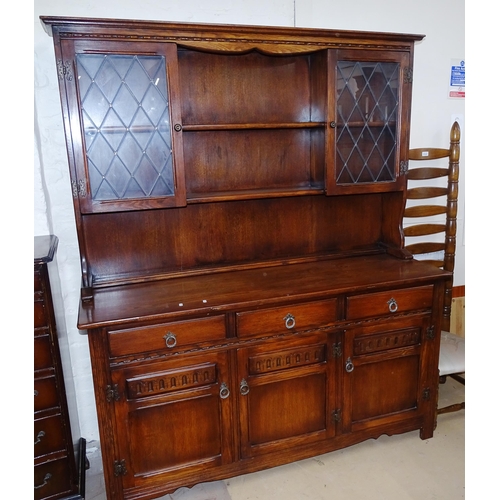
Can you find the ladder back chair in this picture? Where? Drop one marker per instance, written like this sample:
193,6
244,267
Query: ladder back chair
430,226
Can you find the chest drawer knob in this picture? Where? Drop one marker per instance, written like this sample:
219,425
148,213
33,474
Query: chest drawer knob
244,389
289,320
349,365
46,479
393,305
170,340
224,391
39,436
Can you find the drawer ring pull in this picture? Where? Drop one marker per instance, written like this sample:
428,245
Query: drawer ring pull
39,436
46,479
349,365
393,305
289,320
224,391
170,340
244,388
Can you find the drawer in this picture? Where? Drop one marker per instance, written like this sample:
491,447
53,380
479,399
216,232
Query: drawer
49,435
389,302
38,282
291,318
46,394
52,478
39,314
43,354
166,335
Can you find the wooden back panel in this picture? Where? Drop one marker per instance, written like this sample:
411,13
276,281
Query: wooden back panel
205,236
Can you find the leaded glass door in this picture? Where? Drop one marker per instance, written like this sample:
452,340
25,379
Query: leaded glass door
131,149
371,97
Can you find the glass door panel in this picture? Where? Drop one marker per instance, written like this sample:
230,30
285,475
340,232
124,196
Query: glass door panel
367,113
125,111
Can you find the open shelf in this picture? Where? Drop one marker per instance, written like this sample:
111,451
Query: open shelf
251,126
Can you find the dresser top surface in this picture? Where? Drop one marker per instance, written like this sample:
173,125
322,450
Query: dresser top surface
243,289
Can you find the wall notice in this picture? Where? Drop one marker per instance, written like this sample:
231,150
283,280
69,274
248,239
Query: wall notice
457,79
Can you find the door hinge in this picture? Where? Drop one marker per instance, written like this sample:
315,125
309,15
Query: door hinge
64,70
337,350
112,393
408,75
426,394
119,468
431,334
336,415
79,188
403,167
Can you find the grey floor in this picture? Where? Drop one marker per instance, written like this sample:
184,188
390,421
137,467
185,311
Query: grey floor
402,467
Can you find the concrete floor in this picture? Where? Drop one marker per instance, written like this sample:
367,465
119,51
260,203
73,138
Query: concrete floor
401,467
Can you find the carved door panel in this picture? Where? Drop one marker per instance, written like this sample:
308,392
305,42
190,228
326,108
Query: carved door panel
383,380
172,415
286,394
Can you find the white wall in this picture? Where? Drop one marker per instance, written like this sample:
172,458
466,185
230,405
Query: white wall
442,22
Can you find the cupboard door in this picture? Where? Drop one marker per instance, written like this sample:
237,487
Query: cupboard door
286,394
128,140
383,381
368,116
173,415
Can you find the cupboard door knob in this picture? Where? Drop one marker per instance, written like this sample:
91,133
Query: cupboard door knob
393,305
244,389
177,127
170,340
224,391
289,320
333,124
349,366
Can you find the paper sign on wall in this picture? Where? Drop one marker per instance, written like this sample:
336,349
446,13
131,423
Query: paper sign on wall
457,79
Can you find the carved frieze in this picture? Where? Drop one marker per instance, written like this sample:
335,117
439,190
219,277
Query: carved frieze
292,358
387,340
171,380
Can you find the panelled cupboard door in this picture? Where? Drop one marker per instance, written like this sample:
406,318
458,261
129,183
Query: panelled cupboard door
368,111
383,380
173,415
127,142
286,394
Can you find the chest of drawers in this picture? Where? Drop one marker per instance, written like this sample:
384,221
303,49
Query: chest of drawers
57,474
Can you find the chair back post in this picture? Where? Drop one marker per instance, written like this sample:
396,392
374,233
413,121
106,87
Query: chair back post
451,221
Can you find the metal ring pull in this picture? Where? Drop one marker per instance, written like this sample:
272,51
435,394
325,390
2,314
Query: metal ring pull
46,479
224,391
393,305
289,320
170,340
244,388
349,366
39,436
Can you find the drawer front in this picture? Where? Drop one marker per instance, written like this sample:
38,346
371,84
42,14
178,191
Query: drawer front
389,302
291,318
46,394
49,435
166,335
43,354
39,314
38,282
52,478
